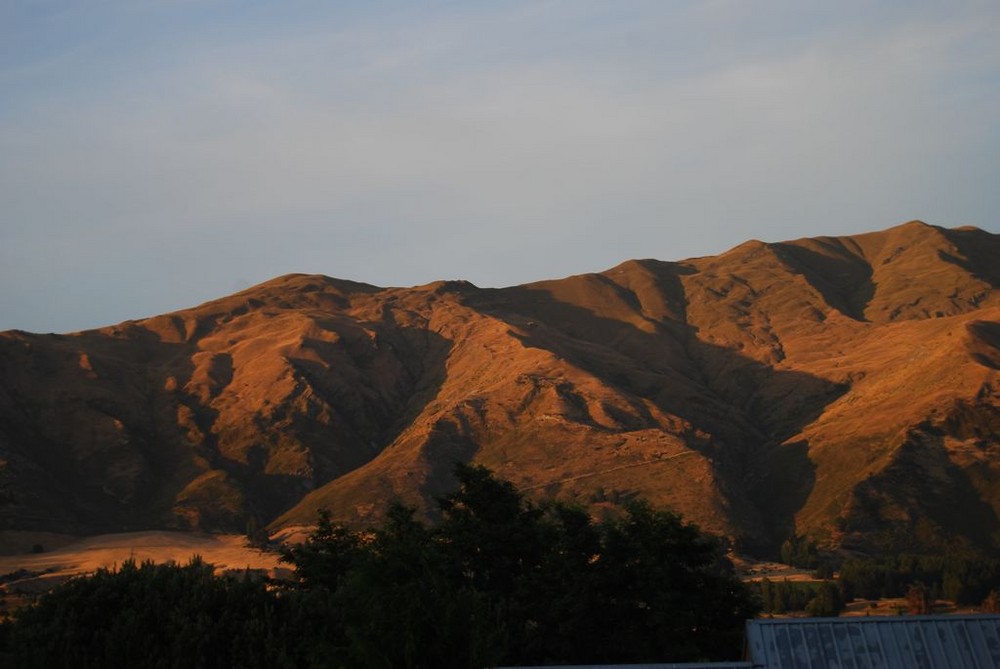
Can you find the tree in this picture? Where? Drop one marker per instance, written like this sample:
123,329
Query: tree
257,536
827,602
403,610
644,587
766,595
992,602
824,571
329,553
918,601
494,536
799,552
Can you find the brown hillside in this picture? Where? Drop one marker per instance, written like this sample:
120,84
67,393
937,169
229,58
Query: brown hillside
841,387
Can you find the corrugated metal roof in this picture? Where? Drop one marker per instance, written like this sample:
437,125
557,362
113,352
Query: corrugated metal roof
907,642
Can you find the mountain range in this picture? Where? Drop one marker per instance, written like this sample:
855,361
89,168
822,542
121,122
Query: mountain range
840,388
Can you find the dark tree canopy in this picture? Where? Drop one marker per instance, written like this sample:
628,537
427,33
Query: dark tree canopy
499,580
150,615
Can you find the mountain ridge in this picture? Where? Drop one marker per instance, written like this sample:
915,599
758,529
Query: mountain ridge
841,387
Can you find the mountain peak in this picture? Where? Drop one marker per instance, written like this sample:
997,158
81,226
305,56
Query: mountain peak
842,387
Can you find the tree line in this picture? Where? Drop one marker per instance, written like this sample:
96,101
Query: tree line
965,578
815,598
499,580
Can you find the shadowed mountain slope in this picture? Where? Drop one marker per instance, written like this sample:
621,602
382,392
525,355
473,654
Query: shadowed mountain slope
842,387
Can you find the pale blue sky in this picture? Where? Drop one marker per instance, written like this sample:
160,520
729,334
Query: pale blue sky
155,154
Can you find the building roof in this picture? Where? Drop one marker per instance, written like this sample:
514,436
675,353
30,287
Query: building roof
910,642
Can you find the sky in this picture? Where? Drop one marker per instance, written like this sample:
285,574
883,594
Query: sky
156,154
